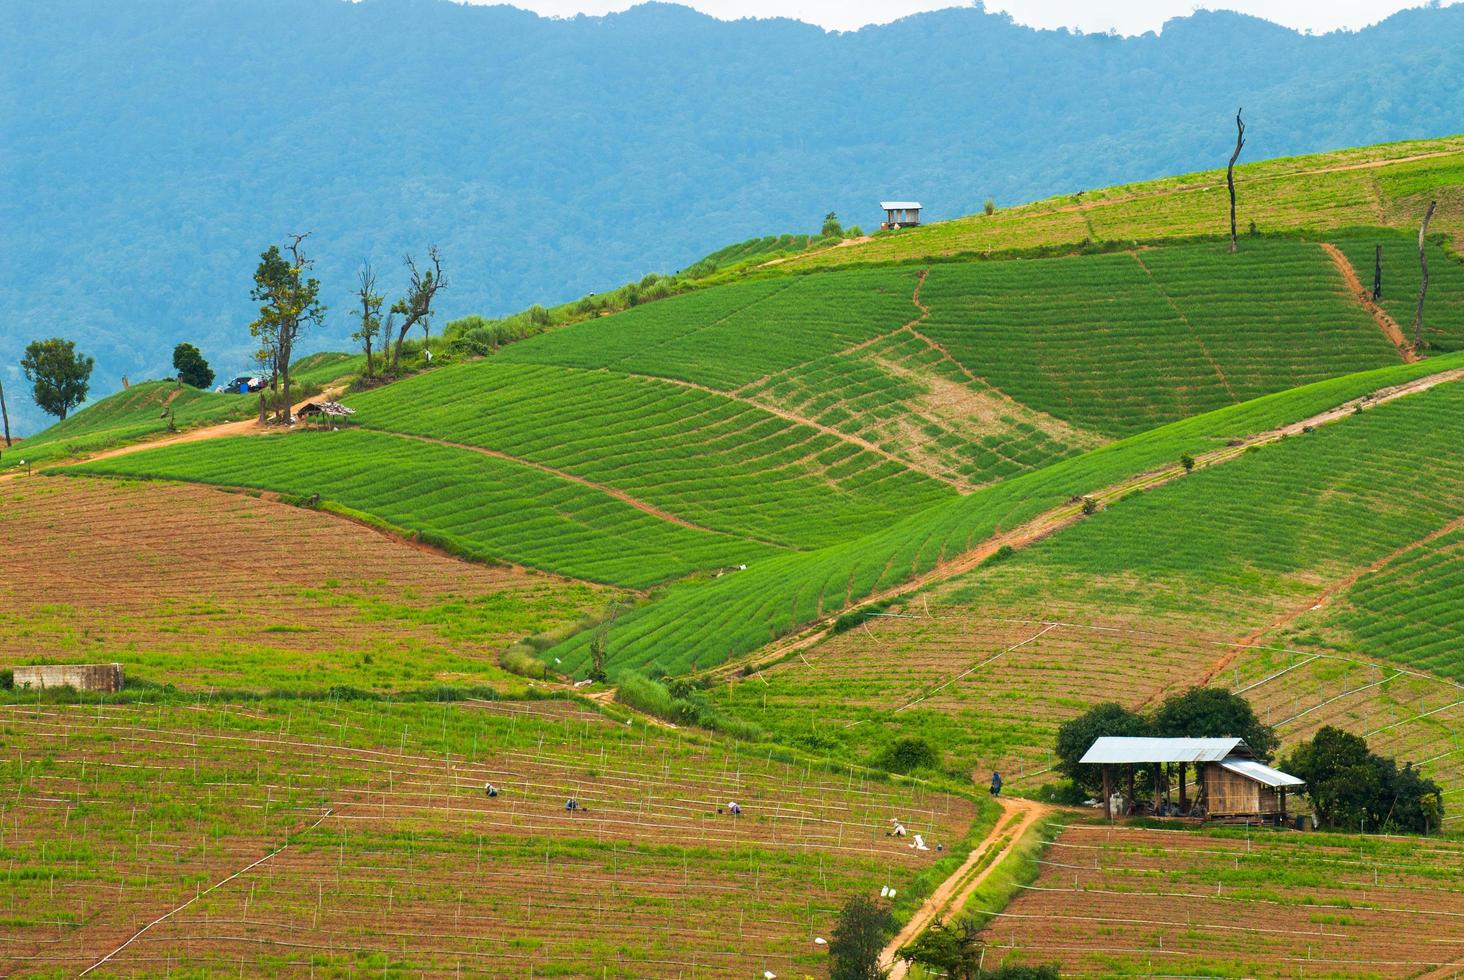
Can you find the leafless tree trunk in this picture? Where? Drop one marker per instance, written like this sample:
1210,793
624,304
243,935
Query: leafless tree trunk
417,304
5,416
1378,274
1423,276
1230,173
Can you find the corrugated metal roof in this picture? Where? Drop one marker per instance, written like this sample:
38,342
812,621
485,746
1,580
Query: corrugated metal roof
1251,769
1122,749
900,205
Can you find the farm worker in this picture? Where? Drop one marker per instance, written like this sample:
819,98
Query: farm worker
571,804
489,789
919,844
734,809
898,830
996,784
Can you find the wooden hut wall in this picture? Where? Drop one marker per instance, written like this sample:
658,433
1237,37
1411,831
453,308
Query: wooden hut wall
1229,792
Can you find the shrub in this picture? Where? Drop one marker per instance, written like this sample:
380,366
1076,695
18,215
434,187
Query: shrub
831,226
1000,555
908,754
1090,506
7,679
1187,461
990,207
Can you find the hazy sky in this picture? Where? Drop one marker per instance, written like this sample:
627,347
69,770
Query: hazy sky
1127,17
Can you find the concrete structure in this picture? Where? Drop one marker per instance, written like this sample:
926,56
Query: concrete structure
1232,782
900,214
82,677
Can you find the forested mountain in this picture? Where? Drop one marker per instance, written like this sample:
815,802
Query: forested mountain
150,150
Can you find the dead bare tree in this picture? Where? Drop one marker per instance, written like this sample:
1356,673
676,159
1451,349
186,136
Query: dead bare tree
1423,276
371,302
4,415
1377,274
1230,172
417,304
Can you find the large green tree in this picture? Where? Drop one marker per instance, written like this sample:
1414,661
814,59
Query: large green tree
858,939
1350,786
289,302
191,367
1075,737
60,375
1213,712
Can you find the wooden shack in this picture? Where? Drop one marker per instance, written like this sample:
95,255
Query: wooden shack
1232,783
900,214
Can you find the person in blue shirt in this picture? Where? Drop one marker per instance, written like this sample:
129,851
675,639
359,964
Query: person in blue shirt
996,784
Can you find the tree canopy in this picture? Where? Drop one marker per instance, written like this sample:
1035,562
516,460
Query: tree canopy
1075,737
858,939
1213,712
1352,787
191,367
60,376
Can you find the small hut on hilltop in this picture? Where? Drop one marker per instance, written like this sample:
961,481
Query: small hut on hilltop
900,214
1232,783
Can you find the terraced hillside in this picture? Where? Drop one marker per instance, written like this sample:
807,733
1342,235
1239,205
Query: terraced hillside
1209,578
357,838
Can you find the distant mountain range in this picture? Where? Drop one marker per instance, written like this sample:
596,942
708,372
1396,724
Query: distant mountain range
150,150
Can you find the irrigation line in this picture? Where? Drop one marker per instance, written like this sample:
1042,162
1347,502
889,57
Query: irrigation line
1338,697
971,670
1417,717
214,887
1267,680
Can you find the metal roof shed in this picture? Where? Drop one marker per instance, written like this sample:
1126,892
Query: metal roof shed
900,214
1123,750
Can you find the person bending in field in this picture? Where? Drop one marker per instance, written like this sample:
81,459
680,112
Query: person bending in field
571,804
734,809
490,790
996,784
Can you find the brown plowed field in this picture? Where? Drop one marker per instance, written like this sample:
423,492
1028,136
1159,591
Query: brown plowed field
198,587
1135,902
383,852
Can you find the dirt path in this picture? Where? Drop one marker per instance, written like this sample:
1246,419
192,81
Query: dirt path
953,893
1317,602
1385,323
1061,517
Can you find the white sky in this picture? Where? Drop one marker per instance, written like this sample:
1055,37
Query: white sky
1125,16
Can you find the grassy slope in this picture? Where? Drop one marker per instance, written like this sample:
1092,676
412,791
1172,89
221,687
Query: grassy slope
1347,188
129,416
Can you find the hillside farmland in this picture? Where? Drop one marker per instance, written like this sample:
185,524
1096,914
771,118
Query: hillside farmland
391,858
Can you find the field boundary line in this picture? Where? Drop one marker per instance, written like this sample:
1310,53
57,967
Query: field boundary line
1204,348
1390,328
211,888
971,670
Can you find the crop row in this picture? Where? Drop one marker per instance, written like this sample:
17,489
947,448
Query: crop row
1120,343
339,605
1412,610
706,458
1130,902
120,813
481,506
710,622
729,336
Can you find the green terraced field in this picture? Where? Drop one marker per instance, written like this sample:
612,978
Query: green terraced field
1120,343
1443,310
479,506
708,622
128,416
733,335
1410,611
711,460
